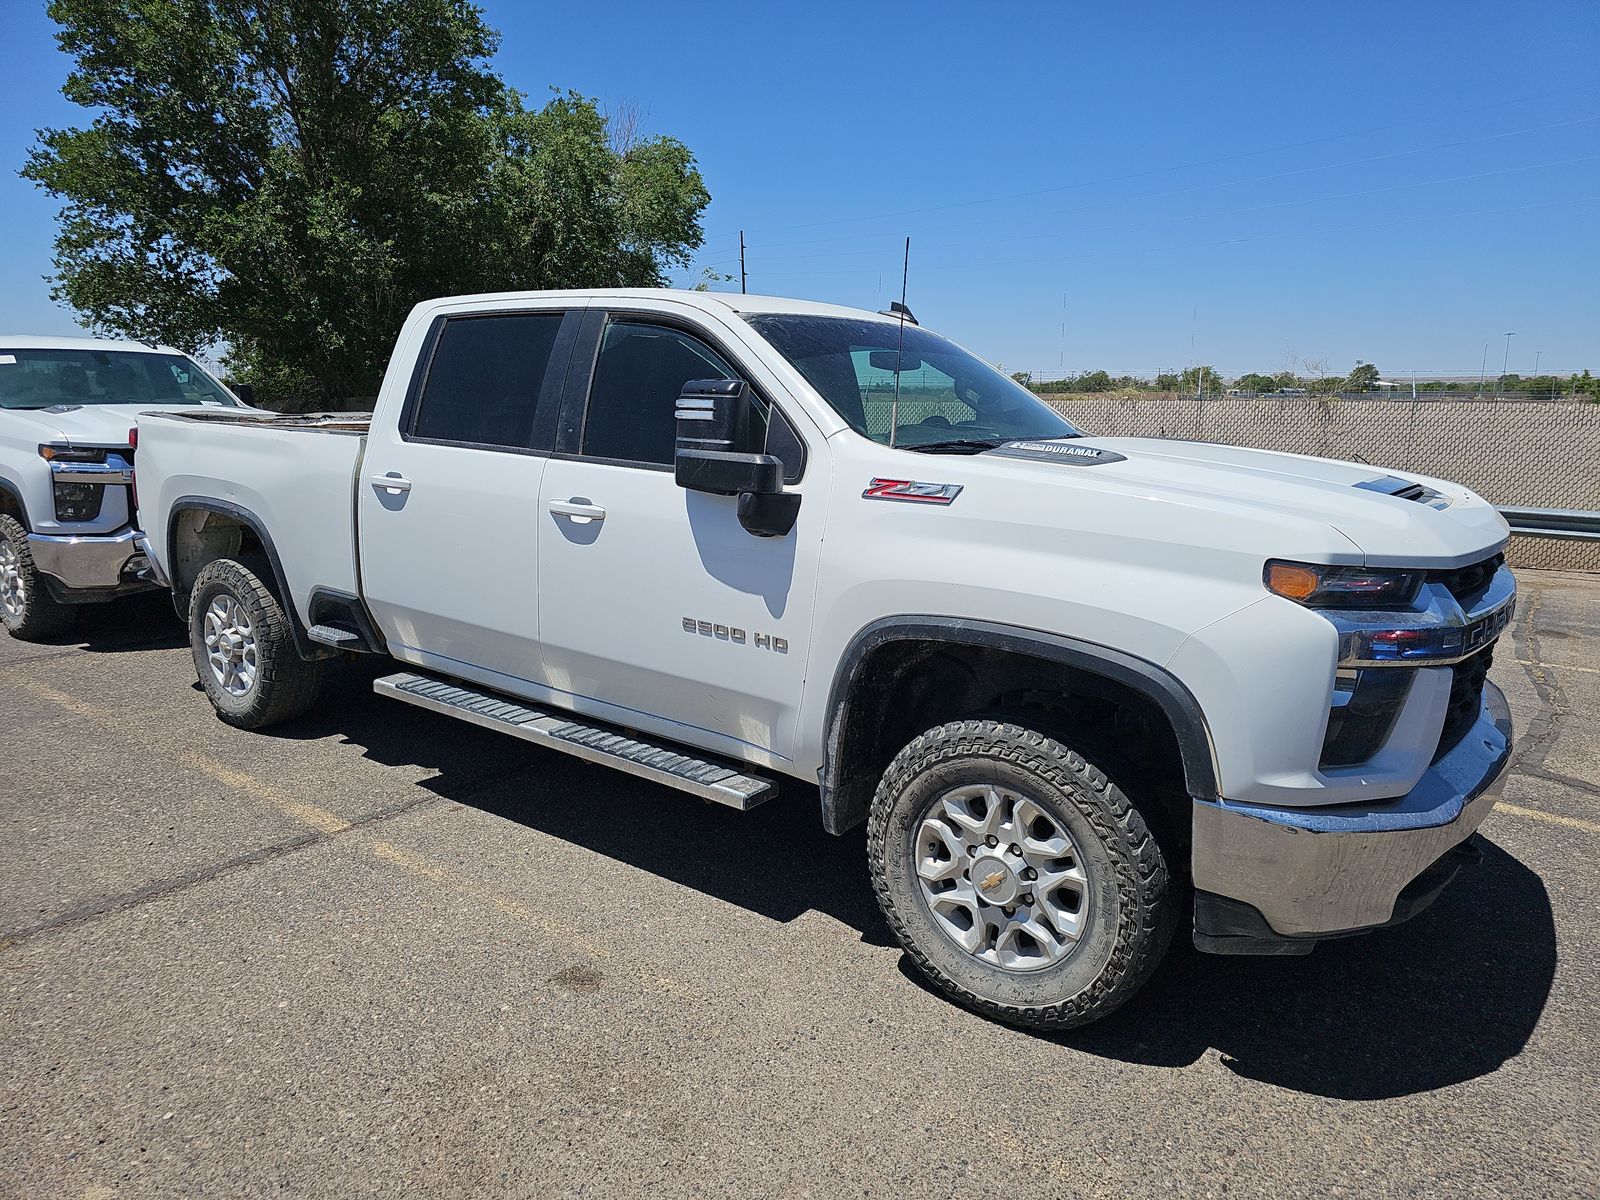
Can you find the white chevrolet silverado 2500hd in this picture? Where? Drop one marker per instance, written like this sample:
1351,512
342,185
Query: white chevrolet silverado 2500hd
1068,681
66,405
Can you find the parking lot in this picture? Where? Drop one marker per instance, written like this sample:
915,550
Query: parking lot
378,952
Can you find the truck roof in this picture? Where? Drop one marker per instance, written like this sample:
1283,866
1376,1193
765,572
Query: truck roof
42,341
707,301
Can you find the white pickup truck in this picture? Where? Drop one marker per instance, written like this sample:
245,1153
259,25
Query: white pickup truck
66,405
1069,682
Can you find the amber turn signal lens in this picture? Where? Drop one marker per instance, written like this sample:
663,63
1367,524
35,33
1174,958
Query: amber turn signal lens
1293,580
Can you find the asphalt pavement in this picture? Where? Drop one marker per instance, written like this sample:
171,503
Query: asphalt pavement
377,953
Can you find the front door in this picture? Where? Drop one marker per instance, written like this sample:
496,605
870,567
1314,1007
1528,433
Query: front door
448,499
657,610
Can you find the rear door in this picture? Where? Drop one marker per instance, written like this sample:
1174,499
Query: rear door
447,496
658,610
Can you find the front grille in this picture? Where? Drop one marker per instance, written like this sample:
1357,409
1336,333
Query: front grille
1466,584
1466,697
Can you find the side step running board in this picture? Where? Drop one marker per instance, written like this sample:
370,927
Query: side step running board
595,743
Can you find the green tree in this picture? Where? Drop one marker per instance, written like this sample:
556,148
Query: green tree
1255,382
1201,379
1363,378
290,177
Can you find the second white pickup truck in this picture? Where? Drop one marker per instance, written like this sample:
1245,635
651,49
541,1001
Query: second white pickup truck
1069,682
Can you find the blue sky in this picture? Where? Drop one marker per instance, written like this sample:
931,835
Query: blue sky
1119,187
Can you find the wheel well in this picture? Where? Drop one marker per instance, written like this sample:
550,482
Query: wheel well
902,688
200,536
10,506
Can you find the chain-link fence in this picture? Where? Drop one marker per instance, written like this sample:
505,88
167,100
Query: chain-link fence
1535,454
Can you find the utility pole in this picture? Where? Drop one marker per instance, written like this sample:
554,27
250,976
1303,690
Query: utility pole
741,263
1483,368
1536,355
1505,362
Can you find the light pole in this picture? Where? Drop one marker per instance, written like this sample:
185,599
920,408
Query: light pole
1505,362
1483,368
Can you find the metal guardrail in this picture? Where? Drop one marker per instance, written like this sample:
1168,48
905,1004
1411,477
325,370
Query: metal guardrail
1553,522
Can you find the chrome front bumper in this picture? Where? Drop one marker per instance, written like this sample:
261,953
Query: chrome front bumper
91,563
1273,880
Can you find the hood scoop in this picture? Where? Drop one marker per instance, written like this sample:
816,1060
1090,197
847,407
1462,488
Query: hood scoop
58,409
1404,489
1067,451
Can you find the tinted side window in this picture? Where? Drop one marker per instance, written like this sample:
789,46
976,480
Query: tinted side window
483,383
638,376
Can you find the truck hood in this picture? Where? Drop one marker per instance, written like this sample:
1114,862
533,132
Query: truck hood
1448,526
85,425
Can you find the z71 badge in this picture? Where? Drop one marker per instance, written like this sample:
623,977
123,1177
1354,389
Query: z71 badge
910,491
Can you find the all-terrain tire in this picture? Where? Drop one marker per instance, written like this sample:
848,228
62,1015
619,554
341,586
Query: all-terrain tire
1129,915
282,684
34,613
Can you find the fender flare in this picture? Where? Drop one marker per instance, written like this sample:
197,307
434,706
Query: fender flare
303,645
14,494
1163,688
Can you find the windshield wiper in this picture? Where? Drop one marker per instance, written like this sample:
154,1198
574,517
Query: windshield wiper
957,445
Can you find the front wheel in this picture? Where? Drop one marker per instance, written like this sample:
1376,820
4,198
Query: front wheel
27,610
1019,878
243,647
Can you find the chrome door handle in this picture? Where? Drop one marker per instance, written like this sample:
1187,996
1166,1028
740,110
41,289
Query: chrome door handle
580,511
390,483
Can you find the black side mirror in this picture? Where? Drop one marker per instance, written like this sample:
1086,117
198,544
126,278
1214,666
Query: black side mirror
714,454
245,392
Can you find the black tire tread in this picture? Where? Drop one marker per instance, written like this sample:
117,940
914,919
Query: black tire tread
287,685
43,616
1145,921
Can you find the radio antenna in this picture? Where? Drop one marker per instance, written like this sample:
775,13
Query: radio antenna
900,350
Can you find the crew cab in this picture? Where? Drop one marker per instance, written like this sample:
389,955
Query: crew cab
1068,682
66,405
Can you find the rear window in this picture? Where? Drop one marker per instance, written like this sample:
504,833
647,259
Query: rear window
483,383
74,378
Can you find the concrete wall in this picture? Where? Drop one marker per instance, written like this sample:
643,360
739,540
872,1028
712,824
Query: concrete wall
1533,454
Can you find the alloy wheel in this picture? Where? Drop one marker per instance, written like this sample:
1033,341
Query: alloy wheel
1002,877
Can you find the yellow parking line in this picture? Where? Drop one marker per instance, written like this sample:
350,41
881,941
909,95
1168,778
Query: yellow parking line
326,822
1528,662
568,936
298,810
1517,810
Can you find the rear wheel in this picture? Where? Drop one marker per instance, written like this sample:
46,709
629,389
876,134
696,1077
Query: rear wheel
1018,877
26,608
243,647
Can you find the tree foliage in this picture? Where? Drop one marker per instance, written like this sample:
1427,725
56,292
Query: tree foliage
1362,379
289,177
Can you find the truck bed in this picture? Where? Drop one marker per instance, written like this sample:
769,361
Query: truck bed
294,473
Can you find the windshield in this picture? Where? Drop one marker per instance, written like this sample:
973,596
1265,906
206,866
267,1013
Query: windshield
51,378
947,396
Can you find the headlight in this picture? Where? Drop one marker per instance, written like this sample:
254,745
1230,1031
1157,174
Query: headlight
1319,586
55,452
78,501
